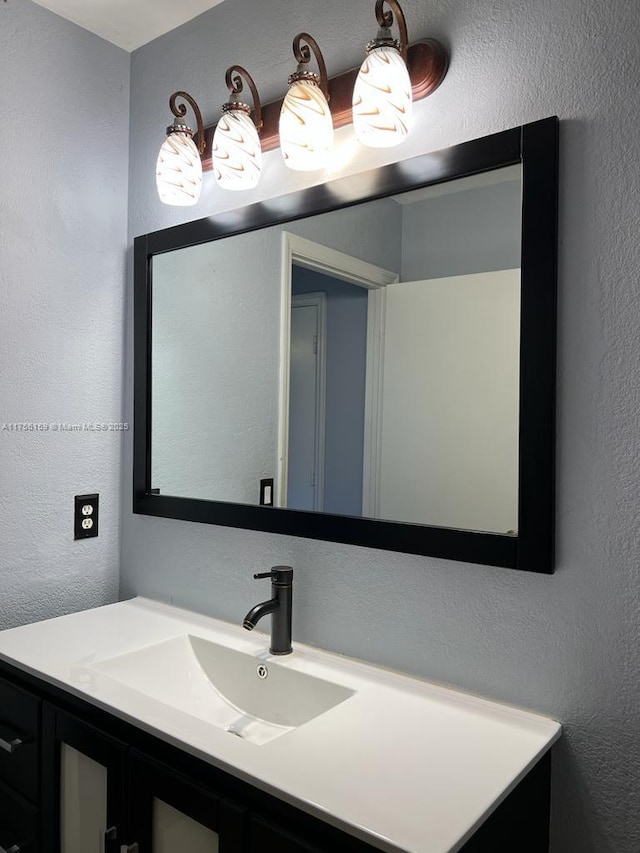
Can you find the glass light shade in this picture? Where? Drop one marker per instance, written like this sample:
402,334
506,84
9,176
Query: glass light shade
237,154
179,171
306,127
382,99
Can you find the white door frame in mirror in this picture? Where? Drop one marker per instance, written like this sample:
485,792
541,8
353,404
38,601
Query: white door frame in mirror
313,256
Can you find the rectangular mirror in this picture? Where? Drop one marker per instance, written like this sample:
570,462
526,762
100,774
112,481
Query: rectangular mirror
356,362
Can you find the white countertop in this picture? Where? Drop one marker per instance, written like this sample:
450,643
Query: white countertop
403,764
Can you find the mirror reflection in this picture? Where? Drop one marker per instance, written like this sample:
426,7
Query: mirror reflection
362,362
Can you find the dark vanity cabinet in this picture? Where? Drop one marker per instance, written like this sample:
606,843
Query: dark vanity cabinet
75,779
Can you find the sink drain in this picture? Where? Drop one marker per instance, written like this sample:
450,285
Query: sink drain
262,671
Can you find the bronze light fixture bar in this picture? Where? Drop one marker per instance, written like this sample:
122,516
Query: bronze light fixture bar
427,62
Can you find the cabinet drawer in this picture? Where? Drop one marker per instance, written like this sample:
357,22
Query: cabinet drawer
19,823
267,837
19,739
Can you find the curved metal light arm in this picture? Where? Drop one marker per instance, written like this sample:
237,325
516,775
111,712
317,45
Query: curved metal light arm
180,111
302,53
385,20
235,86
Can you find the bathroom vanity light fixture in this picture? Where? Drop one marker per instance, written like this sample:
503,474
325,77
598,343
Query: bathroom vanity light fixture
179,167
306,124
382,99
377,98
236,150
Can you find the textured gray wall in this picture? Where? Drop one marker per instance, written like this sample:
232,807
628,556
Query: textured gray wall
64,102
566,645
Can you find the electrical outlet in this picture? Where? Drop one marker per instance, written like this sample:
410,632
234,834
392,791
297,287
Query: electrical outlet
85,523
266,492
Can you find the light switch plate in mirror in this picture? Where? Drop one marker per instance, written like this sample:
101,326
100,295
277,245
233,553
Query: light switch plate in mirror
529,545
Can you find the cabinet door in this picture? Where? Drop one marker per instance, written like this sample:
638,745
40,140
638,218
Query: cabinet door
85,804
19,823
169,813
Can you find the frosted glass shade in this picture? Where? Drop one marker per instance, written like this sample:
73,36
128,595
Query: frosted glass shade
382,100
237,154
179,171
306,127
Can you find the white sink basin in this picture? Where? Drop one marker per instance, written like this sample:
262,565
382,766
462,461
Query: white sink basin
250,697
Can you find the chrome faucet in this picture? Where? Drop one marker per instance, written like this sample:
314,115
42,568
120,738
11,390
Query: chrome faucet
279,606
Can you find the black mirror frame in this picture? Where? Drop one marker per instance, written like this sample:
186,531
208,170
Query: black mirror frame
535,146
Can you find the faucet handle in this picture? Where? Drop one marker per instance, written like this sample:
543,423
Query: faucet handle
280,575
